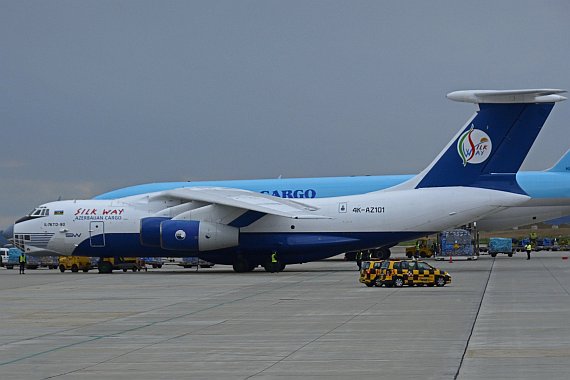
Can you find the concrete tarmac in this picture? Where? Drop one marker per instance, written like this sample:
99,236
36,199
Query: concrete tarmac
503,318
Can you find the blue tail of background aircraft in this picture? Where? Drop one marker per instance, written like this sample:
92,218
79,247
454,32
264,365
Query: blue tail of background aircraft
563,165
491,148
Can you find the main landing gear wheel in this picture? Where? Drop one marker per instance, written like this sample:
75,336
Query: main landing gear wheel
385,253
274,267
105,267
242,265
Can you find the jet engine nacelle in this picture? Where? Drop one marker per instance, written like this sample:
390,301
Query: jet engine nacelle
193,235
150,231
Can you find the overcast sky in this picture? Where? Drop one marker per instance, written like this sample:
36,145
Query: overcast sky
97,95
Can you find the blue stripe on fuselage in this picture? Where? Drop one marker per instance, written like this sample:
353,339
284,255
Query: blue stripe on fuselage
291,247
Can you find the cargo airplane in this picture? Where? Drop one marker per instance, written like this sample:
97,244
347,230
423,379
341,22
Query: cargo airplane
473,178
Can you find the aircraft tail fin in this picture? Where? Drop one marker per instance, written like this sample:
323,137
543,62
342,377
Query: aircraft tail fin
563,165
491,147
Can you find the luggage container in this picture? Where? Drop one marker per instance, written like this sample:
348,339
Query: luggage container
501,245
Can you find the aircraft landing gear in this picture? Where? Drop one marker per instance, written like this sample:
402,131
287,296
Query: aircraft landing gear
273,265
384,253
242,265
105,266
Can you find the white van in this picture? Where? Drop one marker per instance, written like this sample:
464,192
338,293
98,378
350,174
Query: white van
3,256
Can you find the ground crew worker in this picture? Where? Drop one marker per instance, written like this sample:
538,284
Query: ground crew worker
274,262
528,249
417,253
22,260
359,259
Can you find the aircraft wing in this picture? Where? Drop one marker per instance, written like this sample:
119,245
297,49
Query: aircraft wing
243,199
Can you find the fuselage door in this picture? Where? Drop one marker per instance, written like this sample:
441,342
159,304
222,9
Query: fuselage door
97,234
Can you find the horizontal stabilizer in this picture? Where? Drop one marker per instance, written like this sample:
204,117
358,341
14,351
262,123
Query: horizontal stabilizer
243,199
508,96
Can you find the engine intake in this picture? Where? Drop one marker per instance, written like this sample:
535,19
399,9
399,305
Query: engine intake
150,231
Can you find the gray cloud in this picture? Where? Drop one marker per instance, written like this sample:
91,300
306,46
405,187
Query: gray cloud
106,94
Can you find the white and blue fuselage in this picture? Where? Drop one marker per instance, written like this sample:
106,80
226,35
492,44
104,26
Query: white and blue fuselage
248,223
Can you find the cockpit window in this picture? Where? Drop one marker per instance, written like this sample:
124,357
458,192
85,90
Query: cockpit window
40,211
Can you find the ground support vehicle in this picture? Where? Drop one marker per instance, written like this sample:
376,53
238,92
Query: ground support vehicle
109,264
501,245
398,273
369,271
427,248
4,256
75,263
50,262
189,262
14,260
545,243
155,262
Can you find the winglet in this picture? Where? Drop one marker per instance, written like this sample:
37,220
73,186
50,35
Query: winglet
563,165
545,95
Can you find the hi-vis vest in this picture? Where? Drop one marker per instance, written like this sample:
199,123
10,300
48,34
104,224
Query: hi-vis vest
22,258
529,247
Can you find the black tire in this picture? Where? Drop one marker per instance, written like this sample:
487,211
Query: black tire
369,284
493,255
270,267
385,253
85,270
241,265
510,255
74,268
398,282
440,281
159,266
62,268
125,270
105,267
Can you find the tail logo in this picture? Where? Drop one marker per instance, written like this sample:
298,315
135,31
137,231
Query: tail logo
474,146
